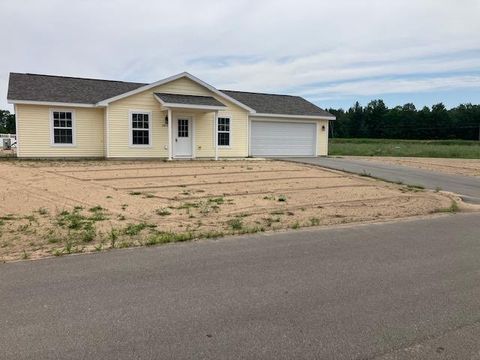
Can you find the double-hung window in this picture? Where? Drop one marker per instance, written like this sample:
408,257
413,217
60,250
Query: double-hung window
223,131
141,128
63,133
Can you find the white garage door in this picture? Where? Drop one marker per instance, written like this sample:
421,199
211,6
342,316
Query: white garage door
278,138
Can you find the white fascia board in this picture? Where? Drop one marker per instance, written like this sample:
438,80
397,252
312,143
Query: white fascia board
173,78
313,117
199,107
167,106
50,103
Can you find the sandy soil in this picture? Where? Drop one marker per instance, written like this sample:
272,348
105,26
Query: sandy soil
467,167
59,207
6,153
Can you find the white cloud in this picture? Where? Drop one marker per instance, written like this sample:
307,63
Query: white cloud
394,86
293,44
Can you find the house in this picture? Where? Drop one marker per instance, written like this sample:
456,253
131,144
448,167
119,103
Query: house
177,117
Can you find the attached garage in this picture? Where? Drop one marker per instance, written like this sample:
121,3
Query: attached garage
283,138
284,125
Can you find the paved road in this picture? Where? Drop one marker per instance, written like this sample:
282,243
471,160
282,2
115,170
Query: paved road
466,186
364,292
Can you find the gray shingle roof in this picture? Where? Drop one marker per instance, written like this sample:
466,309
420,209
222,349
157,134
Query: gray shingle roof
62,89
189,99
51,88
277,104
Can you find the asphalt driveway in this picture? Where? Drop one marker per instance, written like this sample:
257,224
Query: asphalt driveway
409,289
468,187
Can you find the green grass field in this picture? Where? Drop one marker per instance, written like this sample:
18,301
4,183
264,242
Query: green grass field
413,148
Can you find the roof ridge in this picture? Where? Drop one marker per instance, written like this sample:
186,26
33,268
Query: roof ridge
80,78
260,93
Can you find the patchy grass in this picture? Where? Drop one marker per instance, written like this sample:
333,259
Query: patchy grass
134,229
218,200
453,208
414,188
168,237
42,211
295,225
189,205
120,218
406,148
235,224
71,220
98,213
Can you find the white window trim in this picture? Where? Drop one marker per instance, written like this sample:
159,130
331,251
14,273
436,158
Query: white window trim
230,131
74,128
130,128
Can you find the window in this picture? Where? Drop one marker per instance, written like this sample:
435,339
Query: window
182,127
62,128
140,129
223,131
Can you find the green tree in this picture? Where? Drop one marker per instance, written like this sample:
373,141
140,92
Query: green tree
7,122
376,120
441,127
356,124
375,114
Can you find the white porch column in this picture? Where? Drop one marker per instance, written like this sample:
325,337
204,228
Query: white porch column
170,125
215,124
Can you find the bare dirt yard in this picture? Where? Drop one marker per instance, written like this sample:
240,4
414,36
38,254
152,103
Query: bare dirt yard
60,207
467,167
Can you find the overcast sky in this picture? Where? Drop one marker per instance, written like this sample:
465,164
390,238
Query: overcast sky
333,52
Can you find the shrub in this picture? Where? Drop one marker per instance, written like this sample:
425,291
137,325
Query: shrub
235,224
134,229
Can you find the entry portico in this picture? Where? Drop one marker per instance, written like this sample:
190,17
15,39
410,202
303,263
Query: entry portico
182,111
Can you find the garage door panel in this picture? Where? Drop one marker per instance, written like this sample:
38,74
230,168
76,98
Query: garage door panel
278,138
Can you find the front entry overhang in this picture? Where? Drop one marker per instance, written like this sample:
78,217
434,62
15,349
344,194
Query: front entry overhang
180,102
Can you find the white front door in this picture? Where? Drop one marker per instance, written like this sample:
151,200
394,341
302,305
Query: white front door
182,136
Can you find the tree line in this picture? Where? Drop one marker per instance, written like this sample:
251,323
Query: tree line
376,120
7,122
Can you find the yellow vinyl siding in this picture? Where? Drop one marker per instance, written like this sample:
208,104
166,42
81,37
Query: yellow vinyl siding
183,86
119,124
34,129
205,135
322,138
